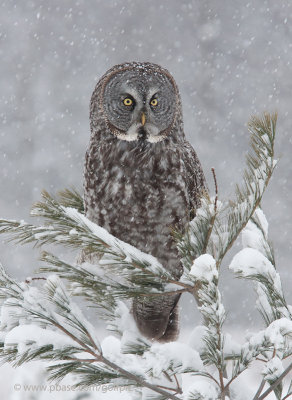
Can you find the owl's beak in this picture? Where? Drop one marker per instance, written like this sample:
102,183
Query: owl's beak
143,119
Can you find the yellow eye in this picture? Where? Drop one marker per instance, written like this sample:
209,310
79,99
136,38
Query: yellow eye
154,102
127,101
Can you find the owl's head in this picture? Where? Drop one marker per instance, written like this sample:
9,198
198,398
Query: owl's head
138,101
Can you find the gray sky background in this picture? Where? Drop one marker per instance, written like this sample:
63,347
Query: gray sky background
231,59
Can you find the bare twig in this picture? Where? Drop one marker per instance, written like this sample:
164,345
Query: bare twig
167,376
221,384
261,359
226,388
73,337
167,388
84,360
213,379
179,390
29,280
260,389
212,221
216,188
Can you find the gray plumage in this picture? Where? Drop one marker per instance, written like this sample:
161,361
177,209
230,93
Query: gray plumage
141,176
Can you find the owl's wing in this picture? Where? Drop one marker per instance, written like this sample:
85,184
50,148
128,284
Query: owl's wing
196,183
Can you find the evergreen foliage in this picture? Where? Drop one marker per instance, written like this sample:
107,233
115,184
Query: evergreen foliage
41,321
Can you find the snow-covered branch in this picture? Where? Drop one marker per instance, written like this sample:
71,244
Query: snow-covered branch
227,220
39,320
44,324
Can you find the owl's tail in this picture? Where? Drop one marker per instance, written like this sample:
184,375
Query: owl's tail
157,318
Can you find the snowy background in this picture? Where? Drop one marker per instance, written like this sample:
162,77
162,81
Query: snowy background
230,60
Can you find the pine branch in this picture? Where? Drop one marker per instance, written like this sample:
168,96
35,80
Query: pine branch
204,272
115,270
213,217
196,240
256,263
127,271
103,287
140,381
263,344
228,221
71,198
70,228
67,318
260,166
276,383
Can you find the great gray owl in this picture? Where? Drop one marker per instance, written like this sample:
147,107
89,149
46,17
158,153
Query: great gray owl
142,177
